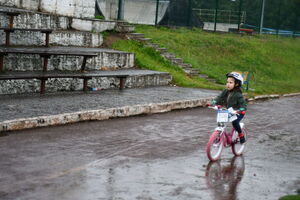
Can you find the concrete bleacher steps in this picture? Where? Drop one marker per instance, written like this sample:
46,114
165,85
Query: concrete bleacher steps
106,59
136,79
57,38
68,31
32,19
24,53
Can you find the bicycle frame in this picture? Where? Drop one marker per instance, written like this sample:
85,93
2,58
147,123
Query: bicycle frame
222,137
227,137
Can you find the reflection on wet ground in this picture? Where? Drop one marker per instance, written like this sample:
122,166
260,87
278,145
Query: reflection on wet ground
223,178
159,157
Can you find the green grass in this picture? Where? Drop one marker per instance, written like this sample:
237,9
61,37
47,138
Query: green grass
99,17
290,197
274,62
148,58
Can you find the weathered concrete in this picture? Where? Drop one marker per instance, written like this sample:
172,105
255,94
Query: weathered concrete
136,79
29,111
57,38
29,19
72,8
124,28
107,59
25,4
20,124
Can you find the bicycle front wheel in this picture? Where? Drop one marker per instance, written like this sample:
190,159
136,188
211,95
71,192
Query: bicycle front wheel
214,146
236,147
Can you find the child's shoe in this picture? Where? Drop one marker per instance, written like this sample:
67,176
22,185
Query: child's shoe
242,138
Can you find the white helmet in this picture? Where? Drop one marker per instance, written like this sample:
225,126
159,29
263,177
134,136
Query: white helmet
236,76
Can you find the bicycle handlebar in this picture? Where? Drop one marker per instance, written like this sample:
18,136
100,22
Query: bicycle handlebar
220,107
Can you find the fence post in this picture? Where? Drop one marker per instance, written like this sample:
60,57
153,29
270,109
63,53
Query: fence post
240,10
216,16
279,17
121,10
156,12
262,16
297,7
189,13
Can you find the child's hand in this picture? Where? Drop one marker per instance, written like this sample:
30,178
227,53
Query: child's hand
234,112
241,112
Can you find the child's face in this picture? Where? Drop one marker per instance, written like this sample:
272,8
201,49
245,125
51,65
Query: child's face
230,83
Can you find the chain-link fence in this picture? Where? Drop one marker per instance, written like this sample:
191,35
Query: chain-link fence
267,16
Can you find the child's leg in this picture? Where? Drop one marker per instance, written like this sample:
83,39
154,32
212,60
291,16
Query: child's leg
237,127
236,123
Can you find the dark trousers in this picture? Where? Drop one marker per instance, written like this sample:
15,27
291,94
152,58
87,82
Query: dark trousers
236,123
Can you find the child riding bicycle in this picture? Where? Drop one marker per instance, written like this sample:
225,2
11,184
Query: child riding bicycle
232,97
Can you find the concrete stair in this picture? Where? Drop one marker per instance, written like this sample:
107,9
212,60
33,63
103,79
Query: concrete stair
187,68
138,36
106,59
137,79
124,27
57,38
69,33
31,19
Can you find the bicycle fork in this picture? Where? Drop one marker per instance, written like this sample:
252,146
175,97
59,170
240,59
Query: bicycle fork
223,138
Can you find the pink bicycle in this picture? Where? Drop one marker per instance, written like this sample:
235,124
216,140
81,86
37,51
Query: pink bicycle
222,138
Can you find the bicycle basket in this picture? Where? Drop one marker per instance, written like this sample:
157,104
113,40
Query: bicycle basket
223,116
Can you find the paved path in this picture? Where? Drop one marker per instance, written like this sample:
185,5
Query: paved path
35,105
159,157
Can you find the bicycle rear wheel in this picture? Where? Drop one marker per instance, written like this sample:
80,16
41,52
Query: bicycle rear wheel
214,146
236,147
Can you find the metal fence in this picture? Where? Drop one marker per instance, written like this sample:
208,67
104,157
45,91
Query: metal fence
267,16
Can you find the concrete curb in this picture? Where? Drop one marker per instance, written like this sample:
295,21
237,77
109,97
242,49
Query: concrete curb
272,96
101,114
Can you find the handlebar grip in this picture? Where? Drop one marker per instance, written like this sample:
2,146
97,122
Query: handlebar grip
242,112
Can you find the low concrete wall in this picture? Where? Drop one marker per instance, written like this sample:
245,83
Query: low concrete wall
101,114
72,8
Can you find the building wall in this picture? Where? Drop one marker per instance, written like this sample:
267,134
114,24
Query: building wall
135,11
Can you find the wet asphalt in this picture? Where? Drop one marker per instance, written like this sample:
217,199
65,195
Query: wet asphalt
154,157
